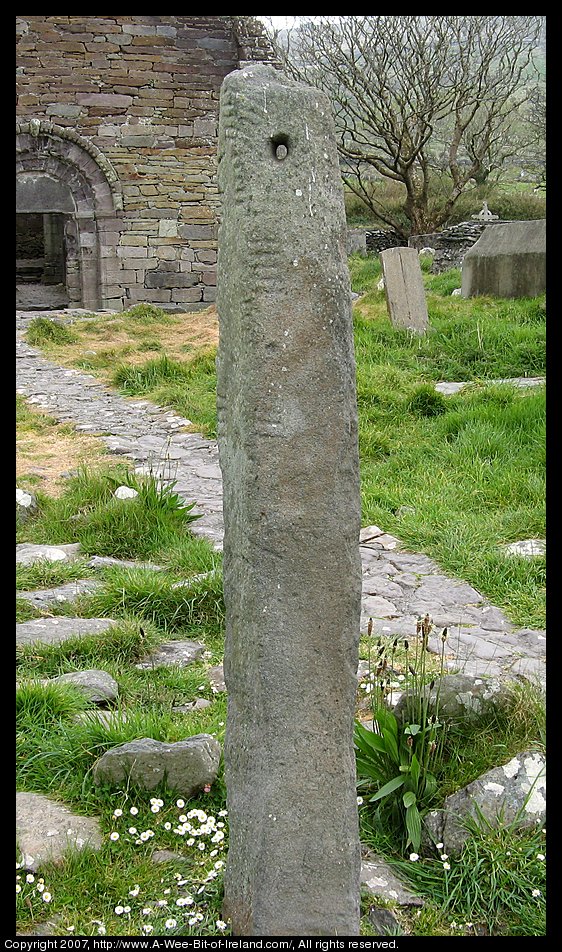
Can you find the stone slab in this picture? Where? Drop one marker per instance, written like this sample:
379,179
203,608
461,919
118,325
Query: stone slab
288,451
169,653
507,261
403,285
47,830
28,553
53,631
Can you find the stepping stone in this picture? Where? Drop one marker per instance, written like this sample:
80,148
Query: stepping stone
526,548
448,388
380,882
377,607
98,686
169,653
187,765
105,561
368,533
45,830
28,553
54,631
199,705
62,593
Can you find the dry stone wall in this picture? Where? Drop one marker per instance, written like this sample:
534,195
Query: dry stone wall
136,97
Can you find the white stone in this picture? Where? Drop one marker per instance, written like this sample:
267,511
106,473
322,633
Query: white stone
23,498
456,291
125,492
167,228
527,548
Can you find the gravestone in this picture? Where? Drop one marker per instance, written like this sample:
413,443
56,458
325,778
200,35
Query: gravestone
508,261
289,456
403,285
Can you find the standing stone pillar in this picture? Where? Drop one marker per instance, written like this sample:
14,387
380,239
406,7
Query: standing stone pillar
289,457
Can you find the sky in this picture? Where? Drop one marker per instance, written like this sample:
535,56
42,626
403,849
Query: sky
282,23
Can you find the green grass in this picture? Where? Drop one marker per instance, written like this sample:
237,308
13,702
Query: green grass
471,467
46,574
187,386
193,610
498,882
89,513
43,330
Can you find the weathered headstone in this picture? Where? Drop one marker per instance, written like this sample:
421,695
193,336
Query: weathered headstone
289,457
508,260
405,293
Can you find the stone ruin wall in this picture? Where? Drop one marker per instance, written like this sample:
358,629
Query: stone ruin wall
122,112
449,245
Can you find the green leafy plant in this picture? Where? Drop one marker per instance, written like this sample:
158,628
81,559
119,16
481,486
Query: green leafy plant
157,496
396,759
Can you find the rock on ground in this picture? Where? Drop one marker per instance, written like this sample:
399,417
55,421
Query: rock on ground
169,653
459,696
53,631
97,686
28,553
380,882
45,830
512,793
187,765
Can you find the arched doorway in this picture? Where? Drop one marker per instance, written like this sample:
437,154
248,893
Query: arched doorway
68,206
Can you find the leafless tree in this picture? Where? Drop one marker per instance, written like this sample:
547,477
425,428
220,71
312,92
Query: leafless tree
417,94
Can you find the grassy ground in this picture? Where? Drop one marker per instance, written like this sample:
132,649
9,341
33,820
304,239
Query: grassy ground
471,468
119,890
455,476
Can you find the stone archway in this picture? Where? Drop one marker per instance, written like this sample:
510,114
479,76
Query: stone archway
66,180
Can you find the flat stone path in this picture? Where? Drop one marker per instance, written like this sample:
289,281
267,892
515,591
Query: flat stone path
398,586
449,387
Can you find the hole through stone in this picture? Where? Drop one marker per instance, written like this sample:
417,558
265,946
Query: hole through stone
280,146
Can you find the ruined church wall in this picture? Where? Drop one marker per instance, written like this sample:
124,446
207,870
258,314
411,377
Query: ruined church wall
143,92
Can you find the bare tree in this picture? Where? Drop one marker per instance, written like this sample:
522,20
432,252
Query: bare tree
417,94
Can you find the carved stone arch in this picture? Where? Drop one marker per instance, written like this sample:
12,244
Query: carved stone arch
58,172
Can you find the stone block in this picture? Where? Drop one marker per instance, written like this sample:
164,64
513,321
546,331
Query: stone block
167,279
403,285
186,766
508,261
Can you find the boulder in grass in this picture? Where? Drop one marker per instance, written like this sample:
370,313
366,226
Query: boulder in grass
514,793
97,686
187,766
461,697
125,492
